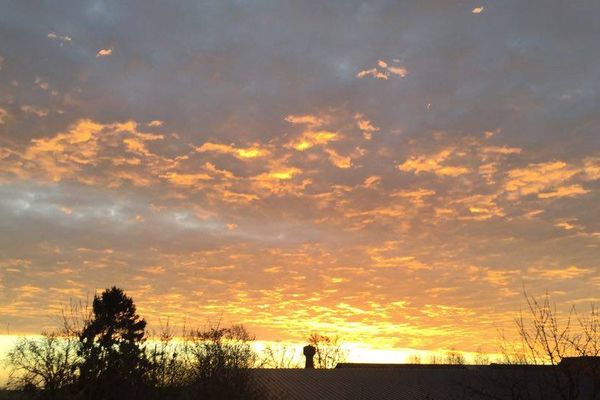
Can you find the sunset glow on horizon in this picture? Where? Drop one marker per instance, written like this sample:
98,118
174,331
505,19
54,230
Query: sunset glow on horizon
393,173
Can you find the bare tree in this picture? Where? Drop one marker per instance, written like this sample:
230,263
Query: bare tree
549,337
481,358
414,359
280,356
168,368
550,357
329,351
453,357
435,359
48,362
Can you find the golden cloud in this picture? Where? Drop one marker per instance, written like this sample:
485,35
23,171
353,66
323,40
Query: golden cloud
242,153
307,119
310,139
544,180
384,70
339,160
564,191
366,126
187,179
569,272
104,52
433,164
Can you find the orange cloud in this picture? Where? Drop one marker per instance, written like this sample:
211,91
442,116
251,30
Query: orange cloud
384,70
310,139
546,177
569,272
504,150
187,179
365,126
415,196
3,115
373,72
307,119
104,52
339,160
591,168
433,164
564,191
242,153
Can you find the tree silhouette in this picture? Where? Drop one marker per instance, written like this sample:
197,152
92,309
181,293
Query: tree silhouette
47,363
219,360
329,351
113,361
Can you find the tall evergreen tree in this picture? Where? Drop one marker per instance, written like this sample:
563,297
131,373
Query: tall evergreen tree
111,348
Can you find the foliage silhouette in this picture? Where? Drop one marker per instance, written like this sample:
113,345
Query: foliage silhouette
113,361
219,360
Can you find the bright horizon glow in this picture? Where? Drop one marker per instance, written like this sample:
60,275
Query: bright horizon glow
357,353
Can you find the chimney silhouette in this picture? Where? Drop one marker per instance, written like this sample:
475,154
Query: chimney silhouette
309,353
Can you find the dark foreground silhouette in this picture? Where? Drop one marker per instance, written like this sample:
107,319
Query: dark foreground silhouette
104,354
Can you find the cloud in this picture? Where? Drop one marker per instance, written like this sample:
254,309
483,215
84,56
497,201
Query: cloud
388,255
416,197
85,146
591,169
372,181
481,207
372,72
433,164
38,111
569,272
564,191
384,71
41,83
104,52
3,115
339,160
307,119
366,126
503,150
60,38
310,139
187,179
400,71
282,174
546,180
242,153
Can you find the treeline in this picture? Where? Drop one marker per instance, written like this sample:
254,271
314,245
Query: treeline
104,353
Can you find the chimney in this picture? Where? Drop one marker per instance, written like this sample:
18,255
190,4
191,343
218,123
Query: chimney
309,353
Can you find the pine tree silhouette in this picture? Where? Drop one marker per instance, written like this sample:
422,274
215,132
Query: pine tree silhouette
111,347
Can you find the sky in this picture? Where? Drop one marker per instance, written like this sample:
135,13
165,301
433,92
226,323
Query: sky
395,173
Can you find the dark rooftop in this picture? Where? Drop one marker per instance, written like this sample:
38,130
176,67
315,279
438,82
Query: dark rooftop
412,382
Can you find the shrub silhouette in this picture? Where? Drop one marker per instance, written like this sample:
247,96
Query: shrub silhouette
219,360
